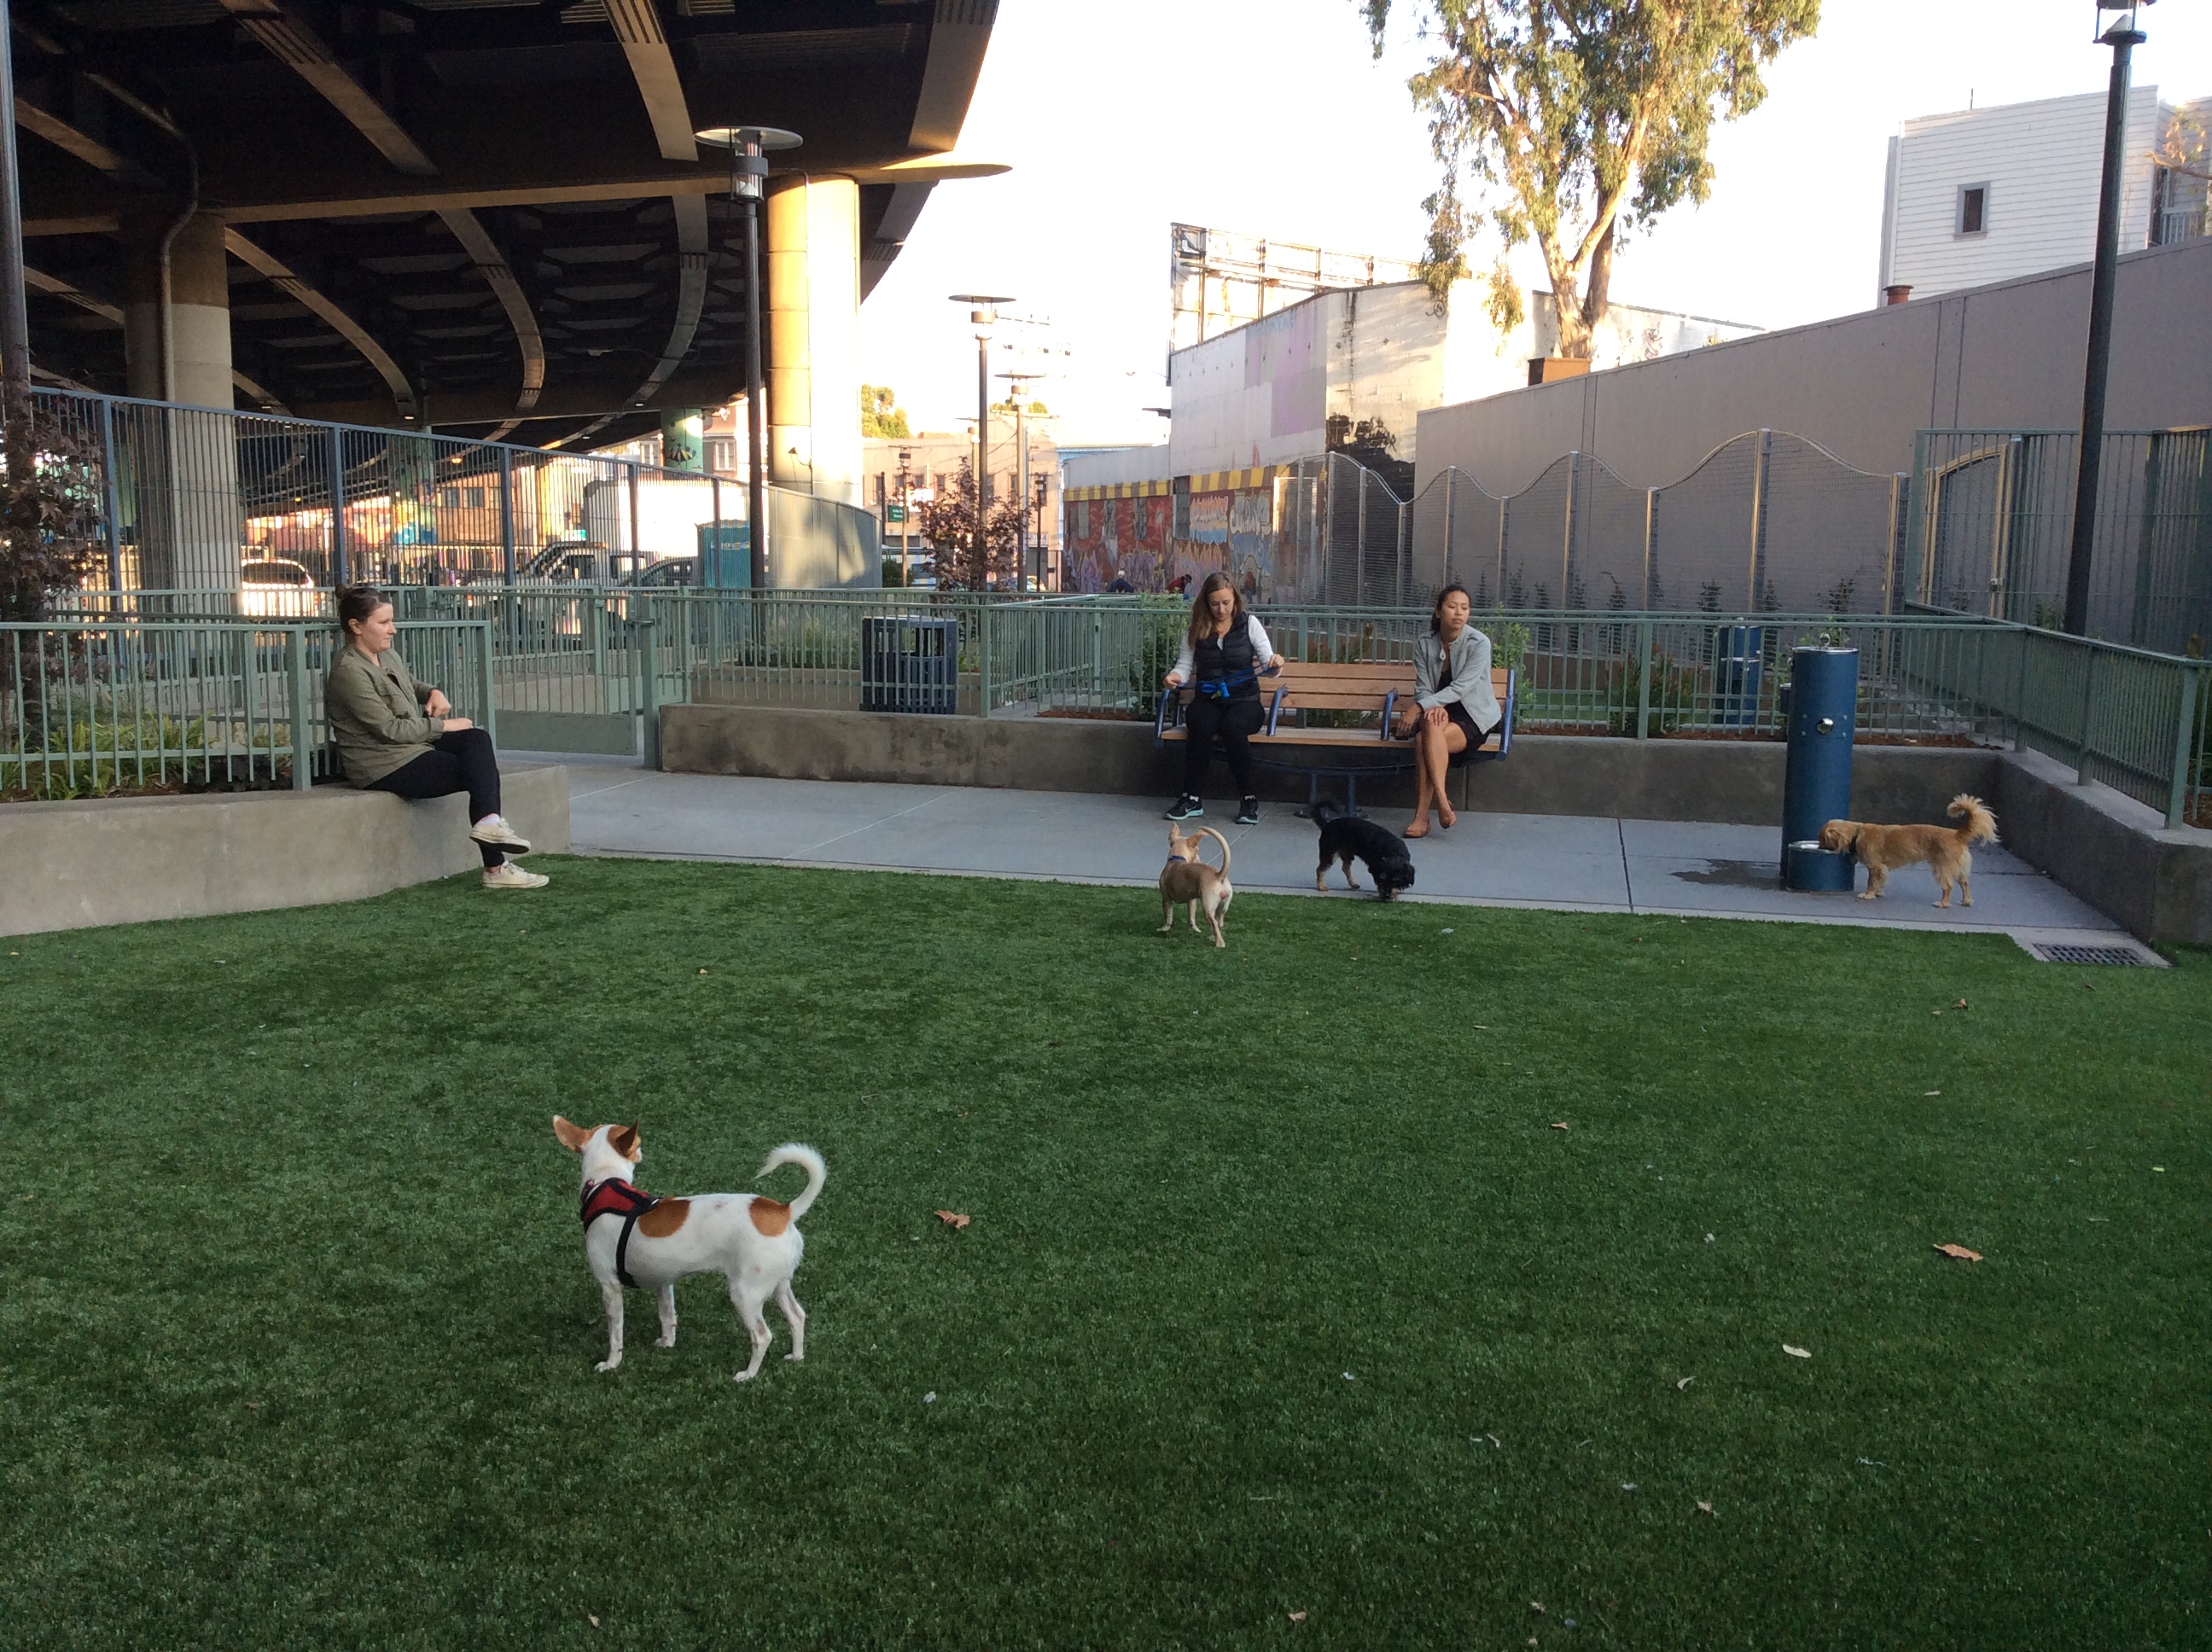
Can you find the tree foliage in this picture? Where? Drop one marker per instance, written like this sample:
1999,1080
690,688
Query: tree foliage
1577,121
50,512
948,522
881,415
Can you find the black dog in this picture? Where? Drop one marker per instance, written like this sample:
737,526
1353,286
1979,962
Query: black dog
1345,838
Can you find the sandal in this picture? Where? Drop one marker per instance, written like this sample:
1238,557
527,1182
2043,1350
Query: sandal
1418,829
1447,819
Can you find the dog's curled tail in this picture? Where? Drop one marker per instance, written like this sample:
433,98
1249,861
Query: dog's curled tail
1209,831
806,1159
1981,826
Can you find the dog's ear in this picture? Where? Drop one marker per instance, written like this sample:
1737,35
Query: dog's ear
623,1139
573,1136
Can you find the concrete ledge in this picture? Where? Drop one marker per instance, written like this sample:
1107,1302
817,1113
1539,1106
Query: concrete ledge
121,860
1732,781
2105,846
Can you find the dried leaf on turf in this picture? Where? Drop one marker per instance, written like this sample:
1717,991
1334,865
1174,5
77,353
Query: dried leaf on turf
1960,1251
1961,1004
1297,1617
590,1620
952,1218
1685,1382
1796,1353
1561,1124
1705,1508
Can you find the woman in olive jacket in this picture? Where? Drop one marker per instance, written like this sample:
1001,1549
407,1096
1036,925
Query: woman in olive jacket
397,735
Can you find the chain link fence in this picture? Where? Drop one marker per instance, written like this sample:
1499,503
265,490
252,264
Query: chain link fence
1991,531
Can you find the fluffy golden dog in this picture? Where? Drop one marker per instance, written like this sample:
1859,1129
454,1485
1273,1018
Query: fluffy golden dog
1948,850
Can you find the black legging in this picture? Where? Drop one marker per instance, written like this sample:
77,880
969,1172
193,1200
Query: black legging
1236,720
462,761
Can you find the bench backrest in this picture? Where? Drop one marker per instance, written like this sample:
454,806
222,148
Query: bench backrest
1361,686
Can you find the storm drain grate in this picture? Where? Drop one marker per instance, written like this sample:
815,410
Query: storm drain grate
2065,952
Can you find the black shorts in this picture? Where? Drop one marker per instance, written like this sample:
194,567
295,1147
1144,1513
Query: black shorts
1476,734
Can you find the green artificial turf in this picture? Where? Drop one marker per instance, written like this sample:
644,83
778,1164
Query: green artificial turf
1282,1292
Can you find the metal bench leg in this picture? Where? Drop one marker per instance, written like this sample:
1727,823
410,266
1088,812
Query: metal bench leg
1352,795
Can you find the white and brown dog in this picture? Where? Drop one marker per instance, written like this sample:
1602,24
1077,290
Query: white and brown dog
1185,879
634,1239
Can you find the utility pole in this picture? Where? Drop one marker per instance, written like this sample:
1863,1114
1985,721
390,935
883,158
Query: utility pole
906,517
983,314
2123,37
1019,383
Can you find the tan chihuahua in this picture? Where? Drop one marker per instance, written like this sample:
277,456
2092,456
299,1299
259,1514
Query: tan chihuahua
1188,878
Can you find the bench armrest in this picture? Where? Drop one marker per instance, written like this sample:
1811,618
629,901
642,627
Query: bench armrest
1274,709
1160,717
1389,711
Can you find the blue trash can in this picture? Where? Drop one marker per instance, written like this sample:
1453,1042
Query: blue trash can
909,665
1816,784
1736,672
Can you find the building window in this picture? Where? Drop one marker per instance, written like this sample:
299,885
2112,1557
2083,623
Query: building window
1974,209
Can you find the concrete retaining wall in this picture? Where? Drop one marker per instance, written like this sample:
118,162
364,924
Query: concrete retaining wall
1738,782
120,860
2111,851
2104,847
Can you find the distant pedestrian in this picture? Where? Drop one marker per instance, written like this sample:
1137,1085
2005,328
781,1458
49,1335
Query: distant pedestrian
399,735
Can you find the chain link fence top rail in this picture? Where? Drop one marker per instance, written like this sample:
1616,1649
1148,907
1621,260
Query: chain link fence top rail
86,708
1991,530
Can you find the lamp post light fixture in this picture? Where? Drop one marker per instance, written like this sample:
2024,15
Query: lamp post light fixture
2123,36
983,314
1018,386
749,148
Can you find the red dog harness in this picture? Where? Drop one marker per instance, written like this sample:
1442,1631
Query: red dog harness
614,1197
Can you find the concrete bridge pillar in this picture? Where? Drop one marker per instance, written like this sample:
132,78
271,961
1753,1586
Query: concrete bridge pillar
196,370
814,338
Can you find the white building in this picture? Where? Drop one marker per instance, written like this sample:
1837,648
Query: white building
1989,195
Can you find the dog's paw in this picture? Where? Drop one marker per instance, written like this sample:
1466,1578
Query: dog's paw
606,1365
742,1376
795,1356
668,1341
1866,894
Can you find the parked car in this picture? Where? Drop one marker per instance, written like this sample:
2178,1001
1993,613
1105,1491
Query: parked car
276,587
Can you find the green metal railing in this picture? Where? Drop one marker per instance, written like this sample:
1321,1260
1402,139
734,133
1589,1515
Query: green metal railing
579,667
87,709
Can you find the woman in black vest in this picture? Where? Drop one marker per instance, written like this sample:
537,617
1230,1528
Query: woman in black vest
1223,655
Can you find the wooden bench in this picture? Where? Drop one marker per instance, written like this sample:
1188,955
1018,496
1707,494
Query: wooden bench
1373,688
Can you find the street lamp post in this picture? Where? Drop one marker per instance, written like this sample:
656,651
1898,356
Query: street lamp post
748,147
2123,36
983,312
1019,384
906,516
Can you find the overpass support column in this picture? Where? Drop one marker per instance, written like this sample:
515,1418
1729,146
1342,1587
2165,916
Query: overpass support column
197,369
682,439
814,338
181,467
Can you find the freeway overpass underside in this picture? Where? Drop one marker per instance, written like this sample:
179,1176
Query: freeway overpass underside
477,216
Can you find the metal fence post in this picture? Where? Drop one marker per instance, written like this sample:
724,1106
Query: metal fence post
2019,692
295,685
484,677
112,496
983,660
2184,754
636,542
1650,526
2089,710
341,570
649,699
1644,678
507,516
1760,468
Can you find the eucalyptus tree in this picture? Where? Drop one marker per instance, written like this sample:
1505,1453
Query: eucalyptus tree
1577,121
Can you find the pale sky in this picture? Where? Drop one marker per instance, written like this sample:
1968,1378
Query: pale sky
1269,116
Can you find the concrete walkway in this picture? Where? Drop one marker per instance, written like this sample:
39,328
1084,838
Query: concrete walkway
1562,863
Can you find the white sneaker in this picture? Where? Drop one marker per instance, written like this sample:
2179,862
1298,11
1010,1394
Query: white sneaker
508,875
495,830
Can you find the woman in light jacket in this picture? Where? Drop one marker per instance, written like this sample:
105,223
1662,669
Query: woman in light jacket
1454,710
399,735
